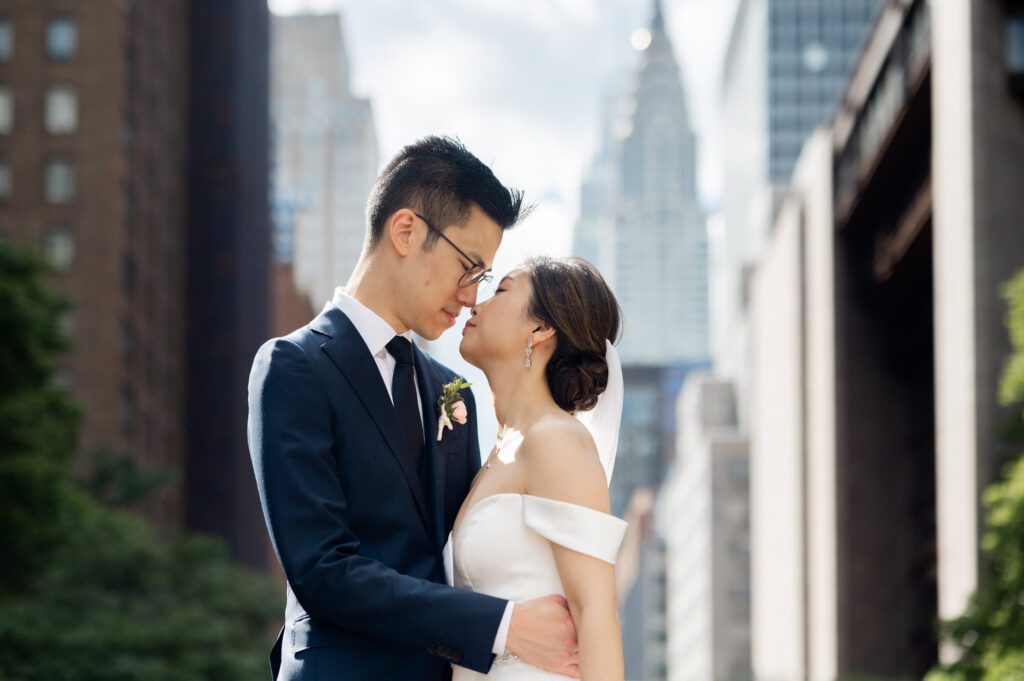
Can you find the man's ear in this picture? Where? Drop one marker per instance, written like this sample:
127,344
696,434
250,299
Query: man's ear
400,231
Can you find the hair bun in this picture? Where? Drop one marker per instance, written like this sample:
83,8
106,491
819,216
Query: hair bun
577,381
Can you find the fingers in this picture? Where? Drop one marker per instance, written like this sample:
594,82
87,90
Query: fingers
570,629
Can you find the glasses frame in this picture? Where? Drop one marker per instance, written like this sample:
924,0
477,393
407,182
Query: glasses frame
481,277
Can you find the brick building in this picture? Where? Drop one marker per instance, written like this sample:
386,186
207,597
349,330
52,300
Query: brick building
134,156
92,173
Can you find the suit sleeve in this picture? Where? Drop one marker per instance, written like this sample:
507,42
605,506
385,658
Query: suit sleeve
290,440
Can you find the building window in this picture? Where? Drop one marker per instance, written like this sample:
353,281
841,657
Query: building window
6,40
128,275
59,182
60,249
127,340
61,110
6,110
1015,42
61,38
127,410
6,183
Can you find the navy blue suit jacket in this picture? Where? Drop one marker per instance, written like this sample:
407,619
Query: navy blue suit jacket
360,546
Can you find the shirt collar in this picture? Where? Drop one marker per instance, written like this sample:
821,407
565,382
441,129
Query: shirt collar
376,332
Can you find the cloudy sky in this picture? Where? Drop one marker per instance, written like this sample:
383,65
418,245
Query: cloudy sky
521,83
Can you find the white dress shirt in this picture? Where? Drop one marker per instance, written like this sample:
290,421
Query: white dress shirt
377,333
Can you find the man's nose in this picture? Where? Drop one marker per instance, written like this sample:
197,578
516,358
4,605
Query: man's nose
467,296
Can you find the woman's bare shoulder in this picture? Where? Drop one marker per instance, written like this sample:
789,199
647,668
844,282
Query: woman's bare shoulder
561,462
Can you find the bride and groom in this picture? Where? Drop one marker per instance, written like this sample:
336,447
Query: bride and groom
406,559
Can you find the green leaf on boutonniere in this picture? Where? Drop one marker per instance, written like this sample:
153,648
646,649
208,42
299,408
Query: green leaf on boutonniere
450,396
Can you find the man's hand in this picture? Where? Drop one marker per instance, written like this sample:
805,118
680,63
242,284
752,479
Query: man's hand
542,634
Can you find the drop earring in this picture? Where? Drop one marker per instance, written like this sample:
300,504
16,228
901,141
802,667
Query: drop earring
529,351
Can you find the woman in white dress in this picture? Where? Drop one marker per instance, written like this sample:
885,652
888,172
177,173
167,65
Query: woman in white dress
536,520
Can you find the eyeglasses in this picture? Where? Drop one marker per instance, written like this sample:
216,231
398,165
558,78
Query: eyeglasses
476,274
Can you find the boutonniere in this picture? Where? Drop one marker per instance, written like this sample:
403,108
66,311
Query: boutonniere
450,406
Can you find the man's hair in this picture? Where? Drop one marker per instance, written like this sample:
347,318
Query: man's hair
440,179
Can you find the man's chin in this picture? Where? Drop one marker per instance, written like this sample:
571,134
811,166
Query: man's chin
429,334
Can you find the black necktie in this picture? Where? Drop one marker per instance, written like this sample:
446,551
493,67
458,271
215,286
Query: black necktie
403,393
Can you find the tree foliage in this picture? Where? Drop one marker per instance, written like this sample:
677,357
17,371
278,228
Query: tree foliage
89,591
37,420
991,632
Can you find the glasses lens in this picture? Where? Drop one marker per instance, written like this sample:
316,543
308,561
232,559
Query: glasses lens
474,275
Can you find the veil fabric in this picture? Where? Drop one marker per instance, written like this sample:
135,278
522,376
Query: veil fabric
603,420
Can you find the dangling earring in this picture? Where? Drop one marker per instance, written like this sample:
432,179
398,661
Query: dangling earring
529,351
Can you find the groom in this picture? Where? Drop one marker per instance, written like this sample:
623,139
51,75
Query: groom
358,493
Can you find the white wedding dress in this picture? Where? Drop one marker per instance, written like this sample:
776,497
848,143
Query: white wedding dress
503,548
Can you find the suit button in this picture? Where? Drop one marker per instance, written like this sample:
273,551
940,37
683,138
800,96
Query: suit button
457,656
432,650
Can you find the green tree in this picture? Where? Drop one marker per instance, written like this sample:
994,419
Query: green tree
37,420
119,604
991,632
89,592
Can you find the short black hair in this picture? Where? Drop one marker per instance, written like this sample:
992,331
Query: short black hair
439,178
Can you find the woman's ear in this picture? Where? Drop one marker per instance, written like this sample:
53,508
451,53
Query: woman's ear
543,333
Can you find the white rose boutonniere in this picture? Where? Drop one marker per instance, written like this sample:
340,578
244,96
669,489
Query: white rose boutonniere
451,406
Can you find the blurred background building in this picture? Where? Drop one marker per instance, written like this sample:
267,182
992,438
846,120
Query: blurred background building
93,173
228,266
785,65
703,519
641,221
784,68
133,146
325,153
642,197
873,336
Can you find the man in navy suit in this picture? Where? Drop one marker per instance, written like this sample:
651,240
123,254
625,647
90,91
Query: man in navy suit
358,493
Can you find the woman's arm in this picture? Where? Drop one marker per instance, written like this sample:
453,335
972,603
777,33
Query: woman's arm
562,463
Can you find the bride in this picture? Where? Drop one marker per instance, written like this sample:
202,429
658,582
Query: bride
536,519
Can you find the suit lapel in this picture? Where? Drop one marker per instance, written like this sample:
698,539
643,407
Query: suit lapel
349,353
430,390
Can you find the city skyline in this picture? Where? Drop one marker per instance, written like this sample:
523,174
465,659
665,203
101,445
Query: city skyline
532,114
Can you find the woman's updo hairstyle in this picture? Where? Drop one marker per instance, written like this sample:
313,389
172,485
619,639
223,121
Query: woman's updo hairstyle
571,296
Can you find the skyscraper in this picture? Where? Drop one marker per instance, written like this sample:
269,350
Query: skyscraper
229,245
703,517
600,192
641,223
660,256
812,46
786,64
325,152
